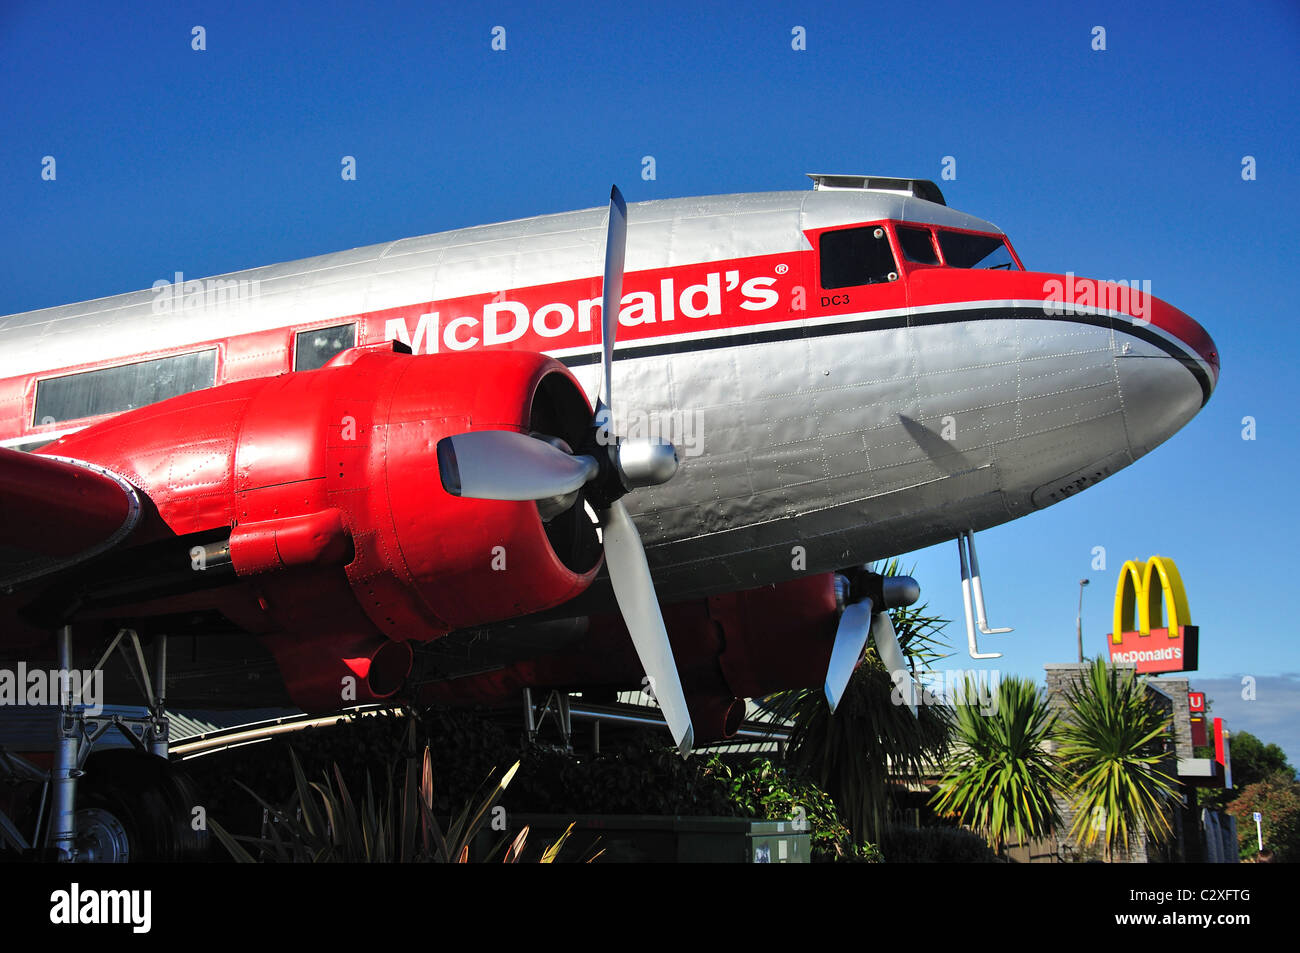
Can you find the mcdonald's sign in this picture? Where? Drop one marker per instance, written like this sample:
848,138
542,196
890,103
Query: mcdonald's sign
1139,636
1196,714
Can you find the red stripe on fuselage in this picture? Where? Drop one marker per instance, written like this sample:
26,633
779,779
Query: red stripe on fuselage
702,299
935,287
738,294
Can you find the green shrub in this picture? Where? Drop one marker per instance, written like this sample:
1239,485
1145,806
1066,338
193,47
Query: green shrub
644,776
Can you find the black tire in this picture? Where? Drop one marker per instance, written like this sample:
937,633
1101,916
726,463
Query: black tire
152,799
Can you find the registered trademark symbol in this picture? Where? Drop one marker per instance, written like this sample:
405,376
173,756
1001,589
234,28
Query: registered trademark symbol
782,269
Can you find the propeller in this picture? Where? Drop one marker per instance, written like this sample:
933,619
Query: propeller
611,300
539,469
508,465
858,621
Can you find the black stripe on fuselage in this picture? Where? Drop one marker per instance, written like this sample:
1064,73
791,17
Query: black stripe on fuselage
924,319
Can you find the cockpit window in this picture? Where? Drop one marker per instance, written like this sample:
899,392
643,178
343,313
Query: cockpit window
917,245
964,250
856,256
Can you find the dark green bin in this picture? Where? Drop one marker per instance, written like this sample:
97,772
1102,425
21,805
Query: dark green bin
647,838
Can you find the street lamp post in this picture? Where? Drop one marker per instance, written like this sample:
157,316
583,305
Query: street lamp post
1078,620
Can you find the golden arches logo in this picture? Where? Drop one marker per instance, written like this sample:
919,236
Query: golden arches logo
1136,591
1142,587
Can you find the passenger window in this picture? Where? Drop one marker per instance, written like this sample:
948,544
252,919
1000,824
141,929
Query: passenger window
917,245
313,349
113,389
856,256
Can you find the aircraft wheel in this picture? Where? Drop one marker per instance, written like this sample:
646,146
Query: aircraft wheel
137,807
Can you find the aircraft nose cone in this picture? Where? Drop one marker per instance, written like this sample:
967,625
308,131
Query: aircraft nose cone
1168,367
1194,340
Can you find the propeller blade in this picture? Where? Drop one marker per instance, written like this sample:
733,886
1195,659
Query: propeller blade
850,640
891,653
635,591
507,465
611,301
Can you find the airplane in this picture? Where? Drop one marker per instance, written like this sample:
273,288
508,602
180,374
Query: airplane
397,472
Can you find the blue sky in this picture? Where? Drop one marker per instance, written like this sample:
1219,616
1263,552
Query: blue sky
1122,163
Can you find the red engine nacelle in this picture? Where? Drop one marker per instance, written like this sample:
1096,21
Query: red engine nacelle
327,485
728,647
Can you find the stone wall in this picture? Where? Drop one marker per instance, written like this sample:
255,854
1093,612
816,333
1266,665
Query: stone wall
1171,695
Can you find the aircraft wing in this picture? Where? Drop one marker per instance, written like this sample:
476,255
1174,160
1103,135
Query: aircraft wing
56,512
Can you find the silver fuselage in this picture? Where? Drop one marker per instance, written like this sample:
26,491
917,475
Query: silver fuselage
812,439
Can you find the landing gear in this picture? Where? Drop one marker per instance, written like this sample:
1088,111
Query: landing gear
135,806
112,806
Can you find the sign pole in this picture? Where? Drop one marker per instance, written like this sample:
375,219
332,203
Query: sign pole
1259,832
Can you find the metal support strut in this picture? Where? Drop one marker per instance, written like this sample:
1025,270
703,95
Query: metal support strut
78,731
533,719
63,821
159,726
970,580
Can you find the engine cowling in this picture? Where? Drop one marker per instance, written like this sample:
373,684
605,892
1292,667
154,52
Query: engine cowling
728,647
321,490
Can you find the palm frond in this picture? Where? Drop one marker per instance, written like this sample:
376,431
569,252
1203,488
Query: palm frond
1112,745
1000,778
